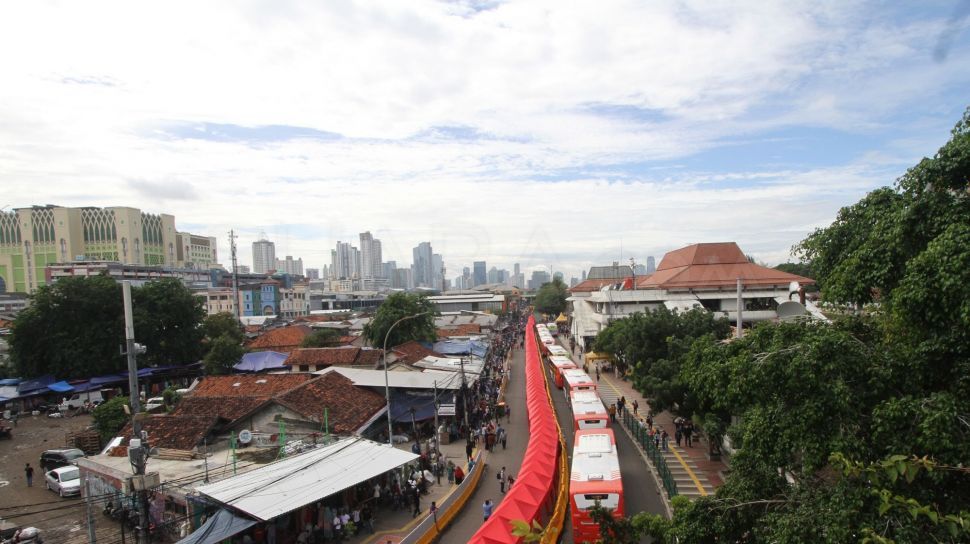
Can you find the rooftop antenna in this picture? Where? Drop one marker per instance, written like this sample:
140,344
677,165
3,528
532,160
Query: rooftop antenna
235,273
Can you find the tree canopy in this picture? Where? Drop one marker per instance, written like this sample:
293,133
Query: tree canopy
74,327
653,345
222,323
397,306
551,298
224,353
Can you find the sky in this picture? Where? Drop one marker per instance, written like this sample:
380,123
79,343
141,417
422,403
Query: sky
548,133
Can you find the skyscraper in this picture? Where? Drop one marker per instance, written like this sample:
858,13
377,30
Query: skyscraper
480,275
437,264
421,269
264,255
291,266
651,265
312,273
345,261
370,256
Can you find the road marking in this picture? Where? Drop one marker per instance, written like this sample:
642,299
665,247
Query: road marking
696,480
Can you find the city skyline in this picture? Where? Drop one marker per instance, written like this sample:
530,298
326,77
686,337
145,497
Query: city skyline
646,128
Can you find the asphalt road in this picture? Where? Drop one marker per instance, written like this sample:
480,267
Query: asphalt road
640,491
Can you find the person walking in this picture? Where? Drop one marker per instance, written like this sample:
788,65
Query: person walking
688,431
636,405
503,437
501,480
487,507
613,413
664,439
29,472
597,372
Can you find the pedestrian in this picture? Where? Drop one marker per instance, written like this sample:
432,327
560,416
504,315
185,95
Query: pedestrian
613,413
487,508
29,471
664,439
501,480
511,481
597,372
508,413
451,472
678,435
416,497
688,431
503,436
459,475
621,405
635,406
468,449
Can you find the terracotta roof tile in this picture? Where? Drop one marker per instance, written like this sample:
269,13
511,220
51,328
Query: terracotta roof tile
348,407
227,408
284,339
256,385
714,265
412,352
346,355
463,329
176,432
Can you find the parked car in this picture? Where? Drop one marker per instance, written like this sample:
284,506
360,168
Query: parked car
154,403
52,459
66,481
77,400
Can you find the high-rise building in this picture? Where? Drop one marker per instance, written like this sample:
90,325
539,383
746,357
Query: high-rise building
264,256
401,279
388,268
421,269
312,273
289,265
539,278
195,251
583,276
345,261
243,269
518,278
370,256
573,282
31,238
479,276
651,265
640,269
492,275
437,270
557,276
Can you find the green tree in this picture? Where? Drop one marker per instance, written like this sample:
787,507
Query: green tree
224,353
321,338
397,306
222,323
72,329
654,344
551,298
168,321
110,417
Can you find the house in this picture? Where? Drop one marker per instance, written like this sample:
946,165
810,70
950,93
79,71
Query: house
283,339
410,352
704,276
314,359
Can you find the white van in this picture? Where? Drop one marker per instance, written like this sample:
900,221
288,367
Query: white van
78,400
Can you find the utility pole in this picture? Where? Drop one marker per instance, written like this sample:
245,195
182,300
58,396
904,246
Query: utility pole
137,446
92,536
437,435
235,273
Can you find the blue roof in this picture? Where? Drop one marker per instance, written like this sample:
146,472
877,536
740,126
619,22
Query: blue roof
30,386
461,347
260,361
10,381
60,387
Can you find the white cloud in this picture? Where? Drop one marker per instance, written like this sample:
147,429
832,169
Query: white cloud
569,91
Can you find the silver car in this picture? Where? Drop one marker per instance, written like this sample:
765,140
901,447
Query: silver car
66,481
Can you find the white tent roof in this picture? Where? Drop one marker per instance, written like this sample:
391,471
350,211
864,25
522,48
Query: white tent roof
286,485
404,380
454,364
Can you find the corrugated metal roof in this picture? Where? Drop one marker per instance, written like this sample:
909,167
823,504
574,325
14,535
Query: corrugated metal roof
404,380
284,486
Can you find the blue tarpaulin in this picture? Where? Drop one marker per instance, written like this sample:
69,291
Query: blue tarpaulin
110,378
402,402
60,387
37,385
461,347
10,381
260,361
219,527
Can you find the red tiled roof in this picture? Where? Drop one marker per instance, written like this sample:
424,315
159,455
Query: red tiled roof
460,330
591,285
345,355
412,352
348,407
227,408
255,385
713,265
183,432
284,339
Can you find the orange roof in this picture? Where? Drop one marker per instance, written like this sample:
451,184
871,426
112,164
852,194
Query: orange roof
348,407
412,352
464,329
346,355
713,265
250,385
283,340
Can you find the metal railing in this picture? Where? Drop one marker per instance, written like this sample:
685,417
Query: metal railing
643,438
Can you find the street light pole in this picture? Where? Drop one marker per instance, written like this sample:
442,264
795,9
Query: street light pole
387,381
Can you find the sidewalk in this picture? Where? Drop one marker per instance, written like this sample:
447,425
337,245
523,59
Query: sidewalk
695,474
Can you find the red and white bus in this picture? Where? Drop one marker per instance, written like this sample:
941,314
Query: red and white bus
595,479
559,364
588,411
556,349
577,380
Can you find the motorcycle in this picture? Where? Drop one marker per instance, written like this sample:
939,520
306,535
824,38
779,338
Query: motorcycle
27,535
